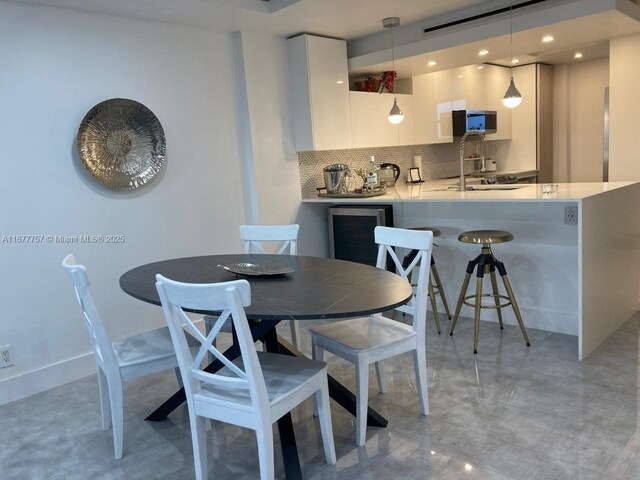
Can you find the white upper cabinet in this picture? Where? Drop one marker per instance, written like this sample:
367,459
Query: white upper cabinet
370,126
441,106
523,150
320,92
432,93
424,110
497,82
466,88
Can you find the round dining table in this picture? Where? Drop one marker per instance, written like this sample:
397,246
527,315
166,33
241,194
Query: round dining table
317,288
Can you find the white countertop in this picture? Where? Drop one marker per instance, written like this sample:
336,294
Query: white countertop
437,191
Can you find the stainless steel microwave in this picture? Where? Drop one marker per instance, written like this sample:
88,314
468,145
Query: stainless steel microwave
483,121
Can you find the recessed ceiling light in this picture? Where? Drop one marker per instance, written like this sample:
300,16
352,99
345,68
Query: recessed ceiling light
480,67
432,452
483,52
468,467
548,38
340,82
515,60
460,76
432,63
578,55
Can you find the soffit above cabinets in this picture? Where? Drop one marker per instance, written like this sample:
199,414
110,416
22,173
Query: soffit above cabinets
574,27
344,19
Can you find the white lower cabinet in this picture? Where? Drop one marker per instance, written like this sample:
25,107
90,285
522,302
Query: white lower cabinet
370,126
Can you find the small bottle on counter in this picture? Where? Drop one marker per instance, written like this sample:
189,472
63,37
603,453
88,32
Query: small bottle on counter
373,175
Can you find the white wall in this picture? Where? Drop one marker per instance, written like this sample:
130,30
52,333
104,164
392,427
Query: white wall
56,64
268,124
624,108
578,120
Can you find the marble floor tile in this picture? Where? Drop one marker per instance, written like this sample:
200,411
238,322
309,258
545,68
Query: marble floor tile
508,413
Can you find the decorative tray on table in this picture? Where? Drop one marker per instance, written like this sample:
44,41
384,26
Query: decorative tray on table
254,270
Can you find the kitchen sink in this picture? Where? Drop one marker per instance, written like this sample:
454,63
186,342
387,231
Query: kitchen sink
479,188
476,188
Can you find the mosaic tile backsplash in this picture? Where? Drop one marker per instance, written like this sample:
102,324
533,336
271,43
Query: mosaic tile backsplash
438,161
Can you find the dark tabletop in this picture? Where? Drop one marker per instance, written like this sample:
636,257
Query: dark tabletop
318,288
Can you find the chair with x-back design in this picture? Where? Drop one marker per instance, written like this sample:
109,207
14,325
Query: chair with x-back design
252,391
368,340
254,237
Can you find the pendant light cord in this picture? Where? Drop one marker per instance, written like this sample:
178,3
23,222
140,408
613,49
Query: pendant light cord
511,34
393,65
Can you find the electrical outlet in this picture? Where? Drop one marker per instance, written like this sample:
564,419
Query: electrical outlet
6,358
571,215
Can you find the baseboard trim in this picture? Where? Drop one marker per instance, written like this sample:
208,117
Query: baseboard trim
46,378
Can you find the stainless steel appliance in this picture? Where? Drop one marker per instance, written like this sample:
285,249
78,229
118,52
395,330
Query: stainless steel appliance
389,173
335,178
474,121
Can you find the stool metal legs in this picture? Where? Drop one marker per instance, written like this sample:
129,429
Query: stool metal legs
516,309
496,292
485,263
434,306
440,288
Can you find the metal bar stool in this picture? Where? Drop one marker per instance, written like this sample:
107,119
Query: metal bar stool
486,262
433,290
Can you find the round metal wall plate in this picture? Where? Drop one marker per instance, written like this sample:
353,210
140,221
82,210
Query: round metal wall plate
121,143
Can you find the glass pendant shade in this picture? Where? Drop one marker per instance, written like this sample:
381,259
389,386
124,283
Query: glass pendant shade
395,115
512,97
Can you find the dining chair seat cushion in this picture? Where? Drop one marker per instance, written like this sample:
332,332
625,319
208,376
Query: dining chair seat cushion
364,333
148,347
283,376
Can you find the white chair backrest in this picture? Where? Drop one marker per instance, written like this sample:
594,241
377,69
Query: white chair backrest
105,356
254,235
230,298
387,238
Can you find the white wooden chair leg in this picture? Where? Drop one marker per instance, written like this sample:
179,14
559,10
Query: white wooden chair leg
317,353
199,443
326,427
420,361
264,435
117,416
295,333
382,382
105,403
362,397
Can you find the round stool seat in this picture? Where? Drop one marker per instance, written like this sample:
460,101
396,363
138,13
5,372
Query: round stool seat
485,236
436,231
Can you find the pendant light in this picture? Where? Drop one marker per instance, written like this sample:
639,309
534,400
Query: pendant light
512,97
395,115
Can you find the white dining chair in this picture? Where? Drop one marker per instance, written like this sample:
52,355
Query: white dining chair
252,391
366,340
119,361
254,237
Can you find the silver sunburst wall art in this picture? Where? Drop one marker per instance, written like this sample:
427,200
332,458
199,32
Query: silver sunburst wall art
121,143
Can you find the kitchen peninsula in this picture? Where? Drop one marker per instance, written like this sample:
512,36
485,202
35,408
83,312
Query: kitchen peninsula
575,259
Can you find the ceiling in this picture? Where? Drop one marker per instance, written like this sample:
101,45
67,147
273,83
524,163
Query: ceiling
587,34
346,19
360,21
